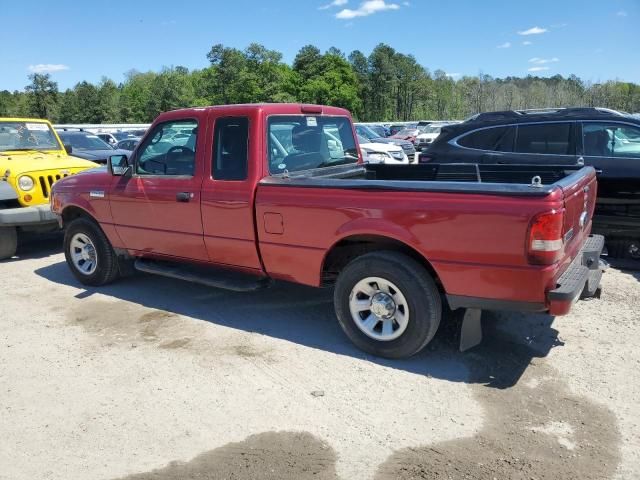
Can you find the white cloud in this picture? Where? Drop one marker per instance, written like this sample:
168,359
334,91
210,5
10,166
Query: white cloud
527,42
366,8
504,45
406,4
622,13
452,75
533,31
335,3
542,61
538,69
47,67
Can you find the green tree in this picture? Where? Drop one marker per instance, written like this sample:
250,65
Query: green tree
42,95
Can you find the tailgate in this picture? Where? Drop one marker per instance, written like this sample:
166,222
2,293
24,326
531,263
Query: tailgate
579,204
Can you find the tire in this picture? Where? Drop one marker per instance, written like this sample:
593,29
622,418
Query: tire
106,262
419,297
8,242
624,248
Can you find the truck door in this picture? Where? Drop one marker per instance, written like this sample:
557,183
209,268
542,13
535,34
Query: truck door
157,209
228,191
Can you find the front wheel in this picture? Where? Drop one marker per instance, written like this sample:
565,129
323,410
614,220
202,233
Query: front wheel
89,253
387,304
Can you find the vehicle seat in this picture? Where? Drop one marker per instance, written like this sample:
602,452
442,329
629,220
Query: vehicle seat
597,143
307,143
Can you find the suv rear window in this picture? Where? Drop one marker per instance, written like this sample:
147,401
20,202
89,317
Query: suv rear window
546,138
496,139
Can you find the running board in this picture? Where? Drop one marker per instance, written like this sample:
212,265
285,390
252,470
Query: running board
216,278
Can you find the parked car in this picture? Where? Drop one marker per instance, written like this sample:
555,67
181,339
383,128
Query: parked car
409,134
605,139
32,159
393,129
428,133
88,146
395,241
381,130
373,152
408,148
128,143
108,138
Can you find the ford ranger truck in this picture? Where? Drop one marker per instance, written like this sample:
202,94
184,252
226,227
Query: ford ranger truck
32,158
266,192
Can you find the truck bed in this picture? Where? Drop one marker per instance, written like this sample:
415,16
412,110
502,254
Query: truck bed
490,179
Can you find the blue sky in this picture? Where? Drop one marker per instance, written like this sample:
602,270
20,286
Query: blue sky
597,40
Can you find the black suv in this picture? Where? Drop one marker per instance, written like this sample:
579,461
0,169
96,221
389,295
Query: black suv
605,139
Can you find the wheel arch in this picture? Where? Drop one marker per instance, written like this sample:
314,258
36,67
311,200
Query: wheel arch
352,246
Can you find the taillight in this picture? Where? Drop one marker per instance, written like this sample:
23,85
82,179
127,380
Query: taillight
422,158
544,242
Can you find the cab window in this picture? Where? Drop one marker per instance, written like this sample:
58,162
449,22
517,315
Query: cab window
169,150
299,142
610,140
230,158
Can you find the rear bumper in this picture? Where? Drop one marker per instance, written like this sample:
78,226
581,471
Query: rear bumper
22,216
580,280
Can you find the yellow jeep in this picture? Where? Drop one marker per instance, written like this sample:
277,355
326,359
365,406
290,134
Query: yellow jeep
32,158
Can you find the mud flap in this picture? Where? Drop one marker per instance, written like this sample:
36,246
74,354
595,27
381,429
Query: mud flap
471,331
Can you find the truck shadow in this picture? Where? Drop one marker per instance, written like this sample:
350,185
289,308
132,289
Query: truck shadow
305,316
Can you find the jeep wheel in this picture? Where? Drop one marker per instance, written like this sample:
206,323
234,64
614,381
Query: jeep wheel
387,304
8,242
89,253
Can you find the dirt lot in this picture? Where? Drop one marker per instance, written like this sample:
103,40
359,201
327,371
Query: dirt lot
155,379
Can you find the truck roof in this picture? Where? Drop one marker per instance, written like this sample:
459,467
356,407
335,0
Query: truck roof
273,108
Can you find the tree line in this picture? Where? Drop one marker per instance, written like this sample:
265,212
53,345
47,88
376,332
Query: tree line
386,85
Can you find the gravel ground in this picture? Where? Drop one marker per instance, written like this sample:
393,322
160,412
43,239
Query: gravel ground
151,378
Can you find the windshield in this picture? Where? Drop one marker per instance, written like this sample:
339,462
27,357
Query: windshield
27,136
431,129
407,132
122,135
300,142
366,132
84,142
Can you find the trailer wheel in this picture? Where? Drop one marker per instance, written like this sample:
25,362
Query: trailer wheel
8,242
387,304
89,253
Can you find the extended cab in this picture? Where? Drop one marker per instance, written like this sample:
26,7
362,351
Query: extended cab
32,158
279,191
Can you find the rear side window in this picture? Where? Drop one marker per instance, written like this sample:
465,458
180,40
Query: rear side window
497,139
546,138
230,149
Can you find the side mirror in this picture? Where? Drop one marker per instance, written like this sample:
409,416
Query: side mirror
68,149
118,165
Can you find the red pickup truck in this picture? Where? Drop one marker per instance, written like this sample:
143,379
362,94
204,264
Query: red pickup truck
235,196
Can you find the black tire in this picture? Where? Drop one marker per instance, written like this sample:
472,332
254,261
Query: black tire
8,242
107,263
418,288
623,248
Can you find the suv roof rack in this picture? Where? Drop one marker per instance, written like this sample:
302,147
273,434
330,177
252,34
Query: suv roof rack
560,111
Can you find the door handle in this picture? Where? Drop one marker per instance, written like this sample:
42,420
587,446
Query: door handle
184,196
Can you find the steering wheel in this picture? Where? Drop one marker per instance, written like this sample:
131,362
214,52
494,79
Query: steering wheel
178,148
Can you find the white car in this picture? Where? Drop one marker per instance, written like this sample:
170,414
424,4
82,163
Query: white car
429,133
382,152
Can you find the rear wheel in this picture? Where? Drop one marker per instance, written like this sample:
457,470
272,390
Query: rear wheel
8,242
624,248
387,304
89,253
